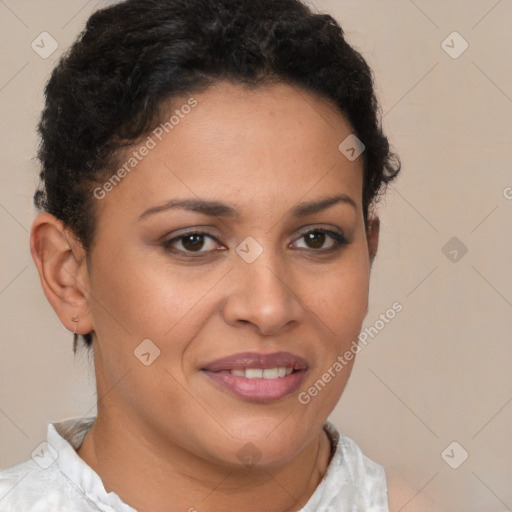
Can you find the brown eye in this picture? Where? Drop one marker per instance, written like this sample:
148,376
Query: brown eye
192,242
316,238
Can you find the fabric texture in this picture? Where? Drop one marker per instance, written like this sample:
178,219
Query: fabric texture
56,479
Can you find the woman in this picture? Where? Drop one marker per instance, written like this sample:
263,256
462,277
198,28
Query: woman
209,176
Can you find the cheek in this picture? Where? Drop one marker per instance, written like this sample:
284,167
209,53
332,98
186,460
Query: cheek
144,299
341,296
340,304
158,302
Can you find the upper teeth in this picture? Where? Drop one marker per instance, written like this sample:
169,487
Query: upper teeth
267,373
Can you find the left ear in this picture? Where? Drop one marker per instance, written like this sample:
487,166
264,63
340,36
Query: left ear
372,236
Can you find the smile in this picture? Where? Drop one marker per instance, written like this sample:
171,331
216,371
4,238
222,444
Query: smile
267,373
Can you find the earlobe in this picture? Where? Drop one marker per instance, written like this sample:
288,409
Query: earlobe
61,265
373,237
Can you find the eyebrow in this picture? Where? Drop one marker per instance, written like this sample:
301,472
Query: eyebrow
219,209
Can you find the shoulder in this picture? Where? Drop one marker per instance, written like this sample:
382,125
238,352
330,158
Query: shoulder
29,487
403,495
350,452
353,480
378,481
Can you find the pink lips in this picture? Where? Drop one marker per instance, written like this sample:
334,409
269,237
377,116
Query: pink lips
257,389
255,360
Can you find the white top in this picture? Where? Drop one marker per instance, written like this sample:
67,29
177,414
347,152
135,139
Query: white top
56,479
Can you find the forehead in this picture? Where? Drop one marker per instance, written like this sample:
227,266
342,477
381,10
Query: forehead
249,146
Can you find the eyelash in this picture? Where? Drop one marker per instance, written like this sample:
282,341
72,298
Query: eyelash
339,242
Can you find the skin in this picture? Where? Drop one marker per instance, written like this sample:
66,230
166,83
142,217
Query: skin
166,437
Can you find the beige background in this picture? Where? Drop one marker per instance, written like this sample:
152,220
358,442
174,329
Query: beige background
440,370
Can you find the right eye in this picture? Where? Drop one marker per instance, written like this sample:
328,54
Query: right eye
192,242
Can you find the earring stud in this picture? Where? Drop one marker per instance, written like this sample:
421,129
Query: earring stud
75,320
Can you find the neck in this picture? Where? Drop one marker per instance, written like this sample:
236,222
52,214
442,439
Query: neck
157,477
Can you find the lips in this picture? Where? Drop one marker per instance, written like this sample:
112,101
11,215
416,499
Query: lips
255,360
258,377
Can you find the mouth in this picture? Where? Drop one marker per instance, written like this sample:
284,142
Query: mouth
258,377
277,372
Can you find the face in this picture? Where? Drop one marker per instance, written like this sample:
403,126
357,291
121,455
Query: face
245,295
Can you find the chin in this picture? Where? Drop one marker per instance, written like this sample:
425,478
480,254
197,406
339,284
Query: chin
262,444
252,456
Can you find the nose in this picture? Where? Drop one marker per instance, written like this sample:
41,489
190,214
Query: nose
264,294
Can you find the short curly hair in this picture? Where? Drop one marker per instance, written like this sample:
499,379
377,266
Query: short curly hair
134,57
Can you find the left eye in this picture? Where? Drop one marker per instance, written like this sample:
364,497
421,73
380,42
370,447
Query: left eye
318,236
194,241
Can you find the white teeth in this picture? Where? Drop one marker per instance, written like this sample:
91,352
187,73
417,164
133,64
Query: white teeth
270,373
253,373
267,373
